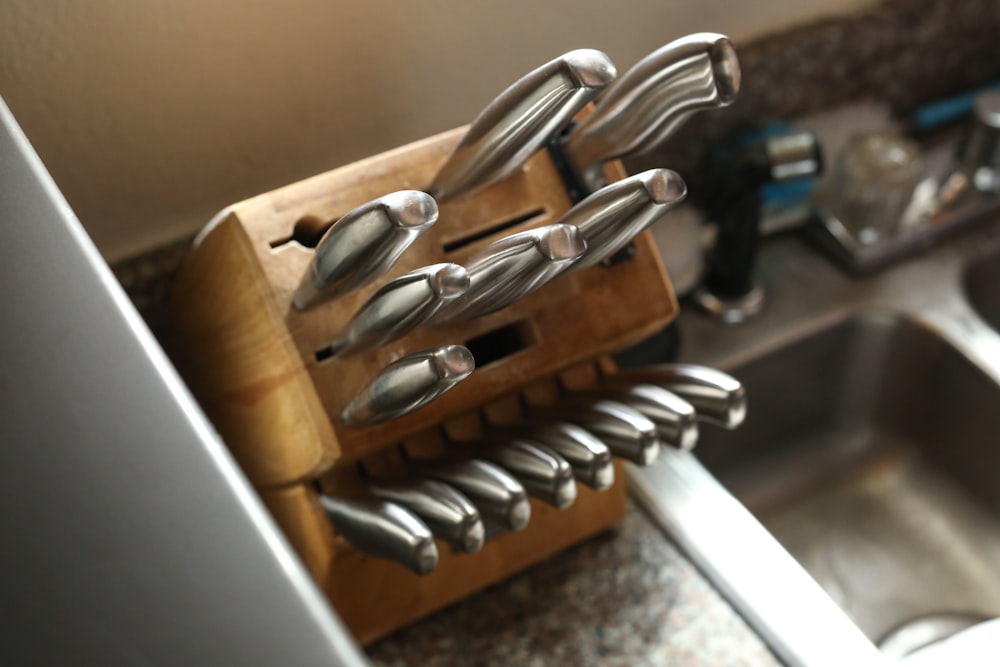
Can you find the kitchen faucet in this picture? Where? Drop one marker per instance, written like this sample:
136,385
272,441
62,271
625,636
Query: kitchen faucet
728,289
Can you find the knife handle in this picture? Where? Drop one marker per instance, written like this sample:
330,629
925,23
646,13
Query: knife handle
627,432
615,214
521,120
717,397
409,384
497,494
589,458
675,418
543,473
400,306
652,100
364,244
383,529
514,266
448,513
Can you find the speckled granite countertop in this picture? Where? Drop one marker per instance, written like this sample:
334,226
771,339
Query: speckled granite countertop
626,597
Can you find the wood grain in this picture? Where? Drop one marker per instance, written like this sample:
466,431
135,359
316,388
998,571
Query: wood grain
250,358
229,341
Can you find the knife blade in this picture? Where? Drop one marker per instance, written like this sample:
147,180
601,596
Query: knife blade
363,244
497,494
448,514
522,119
718,398
383,529
514,266
408,384
652,100
400,306
615,214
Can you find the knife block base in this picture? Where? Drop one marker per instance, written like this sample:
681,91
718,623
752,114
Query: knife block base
255,364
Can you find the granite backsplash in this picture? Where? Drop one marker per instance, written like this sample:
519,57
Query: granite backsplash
900,52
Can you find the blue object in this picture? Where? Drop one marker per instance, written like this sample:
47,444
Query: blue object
948,110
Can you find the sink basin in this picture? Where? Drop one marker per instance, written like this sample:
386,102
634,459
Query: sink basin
981,282
870,452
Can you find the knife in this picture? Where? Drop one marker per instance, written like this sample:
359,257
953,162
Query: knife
448,514
627,432
675,418
717,397
544,474
652,100
589,458
363,244
383,529
408,384
400,306
493,490
512,267
611,217
521,120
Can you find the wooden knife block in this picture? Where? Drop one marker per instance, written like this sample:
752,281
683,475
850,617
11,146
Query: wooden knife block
259,369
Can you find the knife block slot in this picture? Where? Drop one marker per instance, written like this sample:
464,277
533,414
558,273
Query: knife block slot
492,346
324,353
307,232
257,367
492,230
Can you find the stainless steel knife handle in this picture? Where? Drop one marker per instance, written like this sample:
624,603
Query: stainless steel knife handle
717,397
522,119
653,99
611,217
514,266
363,244
544,474
448,514
383,529
493,490
400,306
586,454
675,418
408,384
627,432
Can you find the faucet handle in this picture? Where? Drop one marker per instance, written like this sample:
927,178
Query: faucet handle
729,290
979,155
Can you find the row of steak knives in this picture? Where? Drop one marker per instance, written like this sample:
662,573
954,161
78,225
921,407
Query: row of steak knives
481,488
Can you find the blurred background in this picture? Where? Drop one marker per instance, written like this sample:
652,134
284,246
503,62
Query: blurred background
153,116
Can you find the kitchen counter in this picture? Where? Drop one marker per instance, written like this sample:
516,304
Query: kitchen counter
627,597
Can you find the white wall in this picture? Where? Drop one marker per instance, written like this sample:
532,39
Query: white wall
152,115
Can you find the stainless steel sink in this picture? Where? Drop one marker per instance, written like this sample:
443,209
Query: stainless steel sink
982,285
861,496
871,453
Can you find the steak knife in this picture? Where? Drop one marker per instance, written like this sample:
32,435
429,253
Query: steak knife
717,397
611,217
514,266
496,494
448,513
383,529
400,306
408,384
